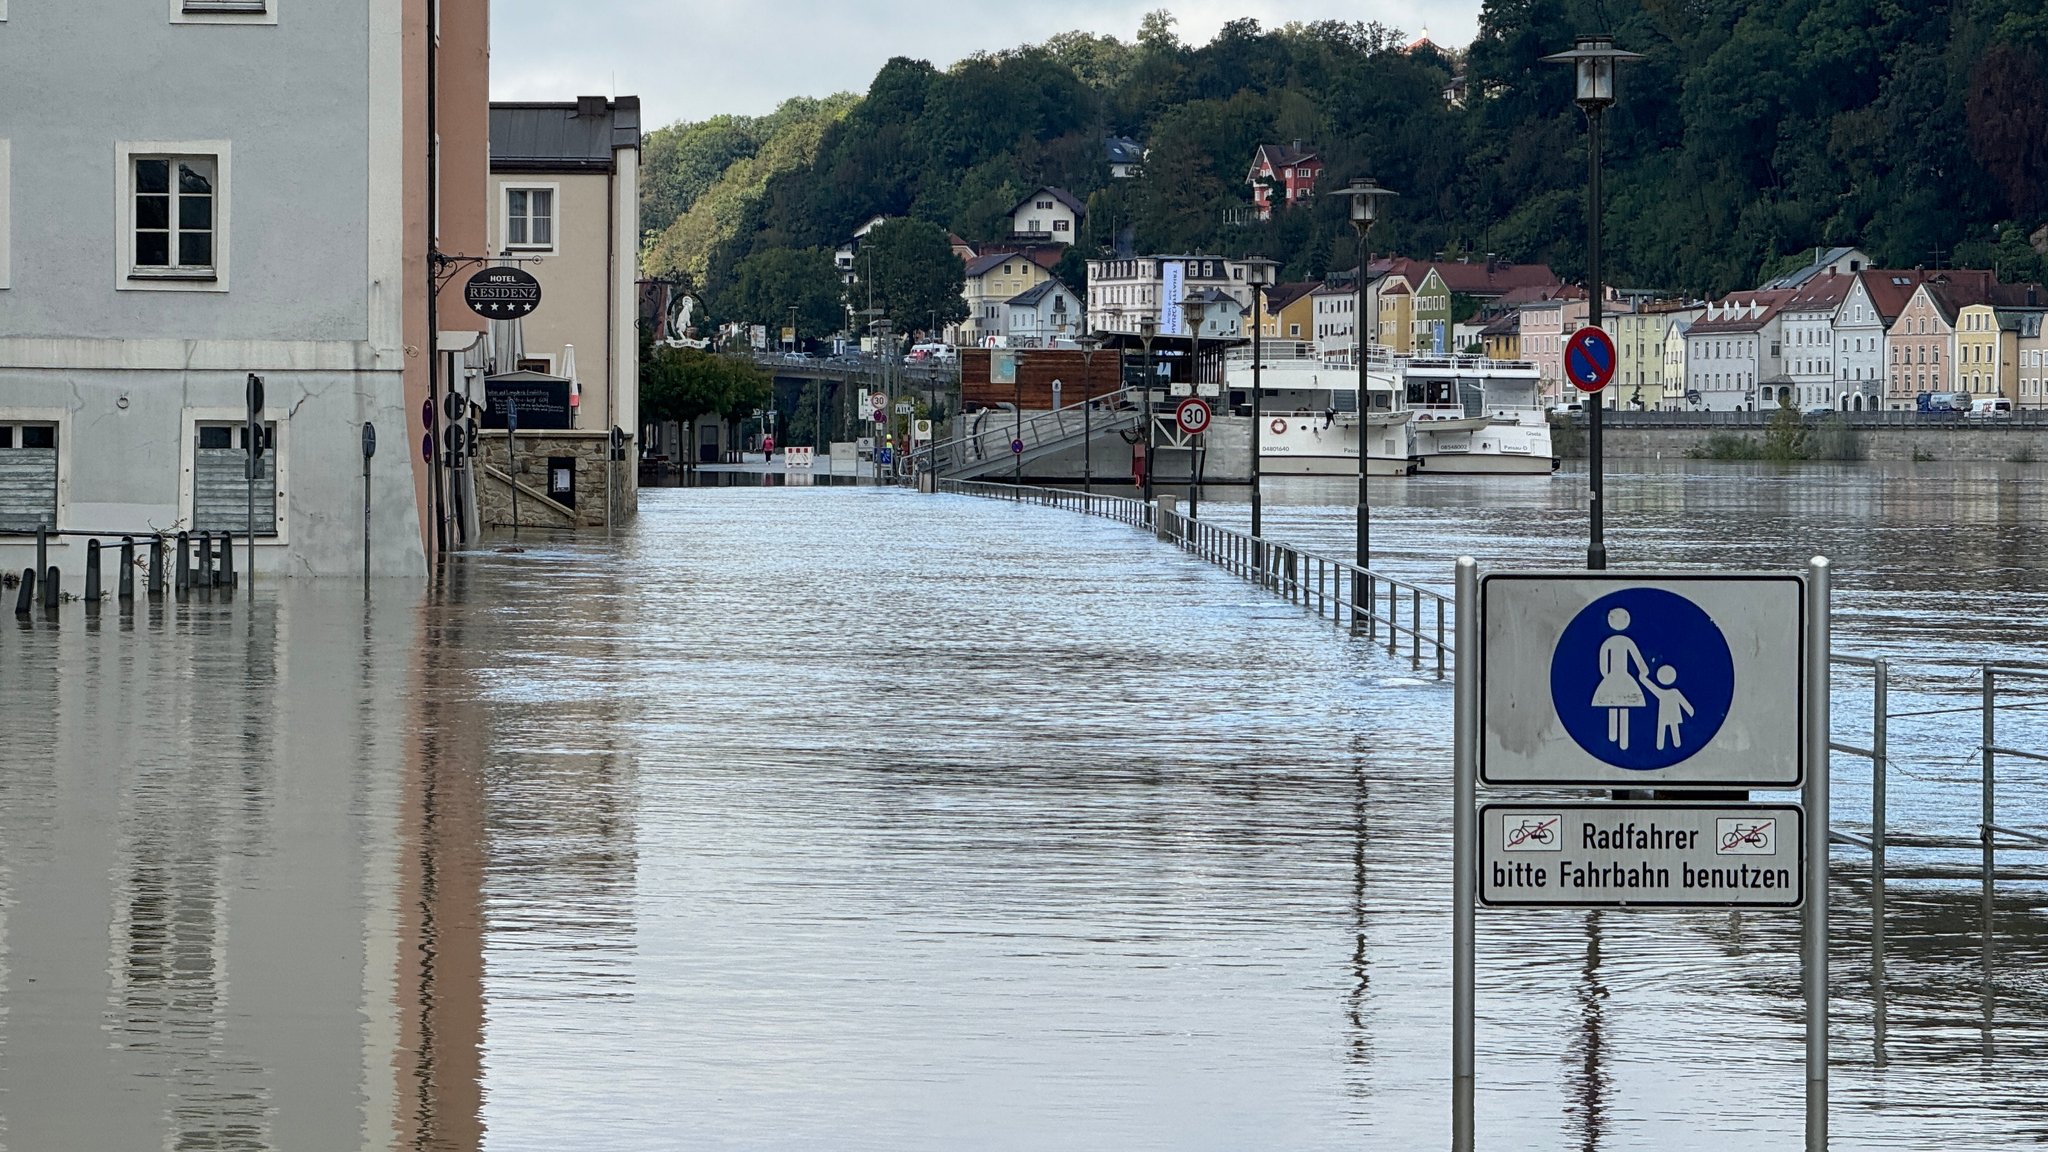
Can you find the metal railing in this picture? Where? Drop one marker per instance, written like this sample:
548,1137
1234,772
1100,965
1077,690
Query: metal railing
1761,419
1367,603
988,447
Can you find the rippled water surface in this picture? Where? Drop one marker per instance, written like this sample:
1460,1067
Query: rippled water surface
856,819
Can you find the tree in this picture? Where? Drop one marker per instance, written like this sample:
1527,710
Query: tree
768,284
914,273
687,384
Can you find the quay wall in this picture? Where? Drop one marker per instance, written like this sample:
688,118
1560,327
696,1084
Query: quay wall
1995,443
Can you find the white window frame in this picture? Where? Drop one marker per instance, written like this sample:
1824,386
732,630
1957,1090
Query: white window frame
125,154
222,11
61,418
280,460
554,245
6,200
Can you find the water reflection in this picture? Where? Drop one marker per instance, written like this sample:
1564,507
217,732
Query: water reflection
857,819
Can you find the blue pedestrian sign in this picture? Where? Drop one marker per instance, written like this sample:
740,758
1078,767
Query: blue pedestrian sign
1589,359
1643,681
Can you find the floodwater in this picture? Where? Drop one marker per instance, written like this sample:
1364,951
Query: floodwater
856,819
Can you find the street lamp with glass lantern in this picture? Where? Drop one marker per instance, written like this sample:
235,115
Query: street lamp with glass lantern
1260,273
1367,200
1148,327
1594,60
1090,344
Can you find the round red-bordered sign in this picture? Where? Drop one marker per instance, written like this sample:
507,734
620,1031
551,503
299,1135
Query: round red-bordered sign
1589,359
1193,416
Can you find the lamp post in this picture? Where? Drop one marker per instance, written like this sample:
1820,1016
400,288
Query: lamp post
1594,59
1193,310
1090,344
1148,327
1260,273
1366,199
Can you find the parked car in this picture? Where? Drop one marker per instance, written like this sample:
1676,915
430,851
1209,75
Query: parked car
934,353
1820,410
1990,408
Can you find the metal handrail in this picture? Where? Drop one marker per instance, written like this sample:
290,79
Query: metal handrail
991,445
1337,590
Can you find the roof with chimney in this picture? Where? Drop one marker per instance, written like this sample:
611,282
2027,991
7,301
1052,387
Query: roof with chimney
580,135
1486,279
1741,313
1822,293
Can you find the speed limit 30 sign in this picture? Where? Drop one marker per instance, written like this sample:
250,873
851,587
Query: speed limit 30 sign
1192,416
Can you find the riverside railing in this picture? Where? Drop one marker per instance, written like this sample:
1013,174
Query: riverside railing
1379,607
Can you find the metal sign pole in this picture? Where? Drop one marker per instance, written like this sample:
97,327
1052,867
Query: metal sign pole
1819,637
1465,848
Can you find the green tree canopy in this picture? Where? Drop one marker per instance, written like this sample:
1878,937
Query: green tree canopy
914,274
686,384
766,285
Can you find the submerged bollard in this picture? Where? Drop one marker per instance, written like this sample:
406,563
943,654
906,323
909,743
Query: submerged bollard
227,559
184,562
92,572
53,587
27,598
125,586
156,566
205,575
42,547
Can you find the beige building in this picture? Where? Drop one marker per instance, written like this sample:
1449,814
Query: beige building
565,202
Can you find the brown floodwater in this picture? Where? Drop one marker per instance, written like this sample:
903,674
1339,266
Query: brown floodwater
849,818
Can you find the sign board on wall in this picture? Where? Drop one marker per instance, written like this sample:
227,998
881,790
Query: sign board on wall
502,293
543,401
1174,277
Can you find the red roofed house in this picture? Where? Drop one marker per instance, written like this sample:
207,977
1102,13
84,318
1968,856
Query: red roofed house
1289,173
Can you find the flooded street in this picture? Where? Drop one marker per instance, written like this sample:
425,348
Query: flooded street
856,819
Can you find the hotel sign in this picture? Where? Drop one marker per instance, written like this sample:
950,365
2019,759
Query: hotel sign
502,293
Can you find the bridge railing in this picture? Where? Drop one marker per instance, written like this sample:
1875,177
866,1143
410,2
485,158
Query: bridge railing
1376,606
991,442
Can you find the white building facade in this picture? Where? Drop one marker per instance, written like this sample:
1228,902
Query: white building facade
248,216
1121,292
1808,327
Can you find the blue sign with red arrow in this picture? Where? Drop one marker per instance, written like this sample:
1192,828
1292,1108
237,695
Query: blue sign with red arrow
1589,359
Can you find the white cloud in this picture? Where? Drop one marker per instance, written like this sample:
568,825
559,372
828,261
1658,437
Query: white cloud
689,59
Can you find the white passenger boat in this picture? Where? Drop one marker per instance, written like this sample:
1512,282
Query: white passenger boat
1312,414
1474,415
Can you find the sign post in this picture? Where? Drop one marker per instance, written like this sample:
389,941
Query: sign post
1700,682
369,450
254,436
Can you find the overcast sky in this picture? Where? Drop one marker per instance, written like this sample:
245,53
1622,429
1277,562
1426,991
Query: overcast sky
690,59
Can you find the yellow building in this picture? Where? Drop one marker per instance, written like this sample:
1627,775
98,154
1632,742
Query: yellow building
1289,312
1397,316
1979,370
991,283
1503,337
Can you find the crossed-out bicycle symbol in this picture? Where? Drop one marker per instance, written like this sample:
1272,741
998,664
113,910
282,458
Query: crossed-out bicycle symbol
1534,830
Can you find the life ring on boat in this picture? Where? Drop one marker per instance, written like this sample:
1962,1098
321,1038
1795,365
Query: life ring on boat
1278,426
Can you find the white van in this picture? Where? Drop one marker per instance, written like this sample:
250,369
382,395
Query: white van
1990,408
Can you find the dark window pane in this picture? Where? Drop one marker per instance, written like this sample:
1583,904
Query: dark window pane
217,436
194,180
195,249
152,176
6,436
152,249
39,436
152,211
195,212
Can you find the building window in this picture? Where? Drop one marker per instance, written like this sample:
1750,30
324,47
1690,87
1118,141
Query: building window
1061,225
28,477
220,480
173,216
530,218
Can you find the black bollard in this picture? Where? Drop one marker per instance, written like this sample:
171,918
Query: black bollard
156,566
227,559
42,547
27,599
205,575
53,586
184,562
92,572
125,586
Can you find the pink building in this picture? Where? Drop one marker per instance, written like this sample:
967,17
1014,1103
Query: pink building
1546,325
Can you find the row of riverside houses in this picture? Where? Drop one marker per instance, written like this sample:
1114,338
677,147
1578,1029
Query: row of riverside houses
293,221
1836,334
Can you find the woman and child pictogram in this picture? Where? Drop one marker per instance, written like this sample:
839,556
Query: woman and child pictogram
1624,679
